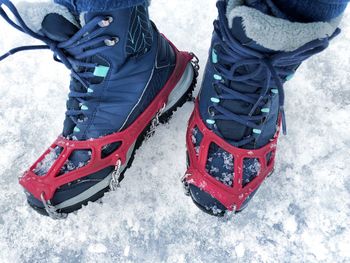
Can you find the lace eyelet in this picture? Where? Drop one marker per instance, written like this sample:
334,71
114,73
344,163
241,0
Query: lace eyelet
112,41
217,77
106,22
215,100
210,111
82,119
257,131
210,122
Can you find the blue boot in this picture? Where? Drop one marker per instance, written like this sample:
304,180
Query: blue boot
126,78
233,132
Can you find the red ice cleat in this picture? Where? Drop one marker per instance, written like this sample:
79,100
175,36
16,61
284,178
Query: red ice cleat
233,197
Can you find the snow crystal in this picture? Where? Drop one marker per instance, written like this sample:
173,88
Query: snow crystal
193,138
214,169
97,248
228,160
215,210
202,185
220,165
70,165
196,142
196,149
126,251
240,250
253,168
227,178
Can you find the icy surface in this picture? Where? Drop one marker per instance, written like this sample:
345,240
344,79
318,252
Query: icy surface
301,213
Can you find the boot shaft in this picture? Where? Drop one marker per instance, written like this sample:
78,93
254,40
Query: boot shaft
251,56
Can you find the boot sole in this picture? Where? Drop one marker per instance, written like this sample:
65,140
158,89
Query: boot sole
181,94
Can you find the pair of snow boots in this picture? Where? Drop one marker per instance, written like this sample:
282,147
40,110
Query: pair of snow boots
126,78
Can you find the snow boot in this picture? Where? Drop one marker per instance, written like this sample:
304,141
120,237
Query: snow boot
125,78
233,131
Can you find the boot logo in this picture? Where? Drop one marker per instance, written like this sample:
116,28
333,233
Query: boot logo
140,36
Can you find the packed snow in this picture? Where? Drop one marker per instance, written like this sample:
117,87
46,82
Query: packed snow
300,214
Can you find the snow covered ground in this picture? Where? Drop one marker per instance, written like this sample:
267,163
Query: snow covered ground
301,214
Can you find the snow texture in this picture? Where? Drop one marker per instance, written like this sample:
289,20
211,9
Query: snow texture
300,214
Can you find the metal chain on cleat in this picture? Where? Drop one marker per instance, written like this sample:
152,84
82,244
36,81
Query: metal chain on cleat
185,185
196,67
195,62
155,122
51,209
115,183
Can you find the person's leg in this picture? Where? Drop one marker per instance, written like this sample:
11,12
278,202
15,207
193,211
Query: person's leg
301,10
233,131
79,6
126,78
311,10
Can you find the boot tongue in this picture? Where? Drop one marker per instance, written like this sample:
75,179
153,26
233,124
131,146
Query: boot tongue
57,27
230,129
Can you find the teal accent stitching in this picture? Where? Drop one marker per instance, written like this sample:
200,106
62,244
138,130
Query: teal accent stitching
257,131
214,56
215,100
217,77
101,71
211,122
